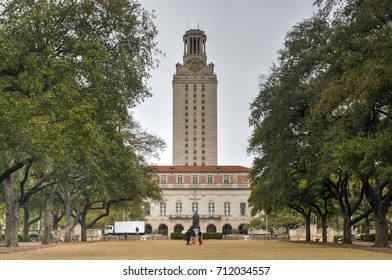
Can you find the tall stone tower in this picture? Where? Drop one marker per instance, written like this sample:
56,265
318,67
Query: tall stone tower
195,105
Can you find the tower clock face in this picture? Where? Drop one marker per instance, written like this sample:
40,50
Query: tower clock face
194,64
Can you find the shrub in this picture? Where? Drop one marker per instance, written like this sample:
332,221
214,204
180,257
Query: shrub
212,235
177,235
24,238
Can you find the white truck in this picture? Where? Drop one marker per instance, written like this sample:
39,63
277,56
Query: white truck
126,227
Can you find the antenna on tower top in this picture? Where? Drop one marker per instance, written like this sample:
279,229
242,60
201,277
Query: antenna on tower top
187,24
198,25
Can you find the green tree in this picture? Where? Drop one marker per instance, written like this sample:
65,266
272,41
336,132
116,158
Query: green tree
338,67
283,172
356,104
70,71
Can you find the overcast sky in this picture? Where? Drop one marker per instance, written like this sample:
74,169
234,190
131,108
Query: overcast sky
243,38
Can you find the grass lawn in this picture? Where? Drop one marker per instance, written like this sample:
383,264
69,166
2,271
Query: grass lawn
210,250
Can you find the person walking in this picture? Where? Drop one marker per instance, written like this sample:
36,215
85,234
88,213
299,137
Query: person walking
188,236
200,237
193,236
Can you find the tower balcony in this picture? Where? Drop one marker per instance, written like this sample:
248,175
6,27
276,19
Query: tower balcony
190,217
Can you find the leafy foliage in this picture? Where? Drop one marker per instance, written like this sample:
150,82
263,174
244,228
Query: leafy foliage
322,118
70,72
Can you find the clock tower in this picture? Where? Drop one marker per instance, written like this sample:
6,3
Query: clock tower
195,105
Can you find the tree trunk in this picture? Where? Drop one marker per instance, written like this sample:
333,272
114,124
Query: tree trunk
46,238
1,230
26,218
308,221
324,228
12,214
381,231
380,201
83,228
68,210
347,229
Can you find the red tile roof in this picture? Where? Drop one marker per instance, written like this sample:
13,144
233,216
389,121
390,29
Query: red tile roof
201,169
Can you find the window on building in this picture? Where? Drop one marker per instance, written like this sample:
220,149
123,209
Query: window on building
147,209
178,209
226,179
179,177
203,88
227,208
186,88
194,87
163,209
209,179
195,207
163,179
194,179
211,209
243,208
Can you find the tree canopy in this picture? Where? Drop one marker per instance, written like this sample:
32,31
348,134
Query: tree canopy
323,114
70,72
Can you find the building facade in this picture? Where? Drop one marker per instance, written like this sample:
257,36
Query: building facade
219,194
195,105
195,183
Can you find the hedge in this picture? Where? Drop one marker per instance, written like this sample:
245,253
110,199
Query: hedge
177,235
24,238
206,235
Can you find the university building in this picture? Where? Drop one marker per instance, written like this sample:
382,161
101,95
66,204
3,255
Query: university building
195,183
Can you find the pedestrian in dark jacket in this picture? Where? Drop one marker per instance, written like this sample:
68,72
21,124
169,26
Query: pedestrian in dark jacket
188,236
200,237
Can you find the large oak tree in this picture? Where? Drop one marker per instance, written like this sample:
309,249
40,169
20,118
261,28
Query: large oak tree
69,73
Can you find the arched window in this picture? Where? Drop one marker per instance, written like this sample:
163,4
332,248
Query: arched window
162,229
178,228
211,228
227,229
